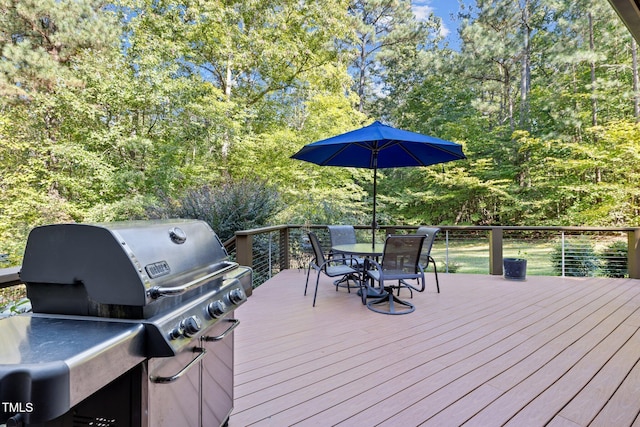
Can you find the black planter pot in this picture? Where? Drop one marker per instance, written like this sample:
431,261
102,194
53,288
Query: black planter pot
515,268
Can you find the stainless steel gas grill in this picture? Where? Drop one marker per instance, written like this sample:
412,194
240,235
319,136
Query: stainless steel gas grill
132,325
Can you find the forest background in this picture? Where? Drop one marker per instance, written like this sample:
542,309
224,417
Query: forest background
126,109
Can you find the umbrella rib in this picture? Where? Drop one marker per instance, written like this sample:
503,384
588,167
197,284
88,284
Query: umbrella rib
328,159
410,154
344,147
390,143
440,148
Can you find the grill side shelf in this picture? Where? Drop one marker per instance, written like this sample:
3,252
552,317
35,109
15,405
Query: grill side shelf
9,277
55,362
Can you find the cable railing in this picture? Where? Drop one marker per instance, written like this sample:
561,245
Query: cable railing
550,251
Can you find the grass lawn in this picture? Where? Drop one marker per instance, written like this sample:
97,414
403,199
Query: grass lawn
471,256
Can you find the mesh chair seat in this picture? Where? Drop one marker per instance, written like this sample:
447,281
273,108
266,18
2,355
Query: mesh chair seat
338,270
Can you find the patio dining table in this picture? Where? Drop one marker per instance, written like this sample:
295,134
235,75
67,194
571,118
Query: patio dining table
362,249
366,250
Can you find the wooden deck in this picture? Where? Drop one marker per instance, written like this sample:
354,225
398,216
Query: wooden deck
483,352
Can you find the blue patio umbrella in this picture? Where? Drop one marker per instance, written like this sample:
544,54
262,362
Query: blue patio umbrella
379,146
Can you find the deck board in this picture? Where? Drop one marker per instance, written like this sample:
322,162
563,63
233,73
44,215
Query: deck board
485,351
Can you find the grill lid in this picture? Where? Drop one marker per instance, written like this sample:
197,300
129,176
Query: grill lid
120,263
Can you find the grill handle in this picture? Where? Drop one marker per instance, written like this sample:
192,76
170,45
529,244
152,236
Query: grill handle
172,378
201,350
235,323
158,291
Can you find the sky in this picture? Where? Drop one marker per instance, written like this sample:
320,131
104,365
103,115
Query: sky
443,9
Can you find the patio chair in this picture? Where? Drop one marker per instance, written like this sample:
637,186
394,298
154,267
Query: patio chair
400,263
330,267
344,235
425,255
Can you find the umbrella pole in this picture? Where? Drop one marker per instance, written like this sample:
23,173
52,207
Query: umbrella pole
374,224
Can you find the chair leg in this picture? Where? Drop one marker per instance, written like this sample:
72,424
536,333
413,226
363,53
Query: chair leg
315,294
355,280
364,288
307,283
345,280
406,285
435,269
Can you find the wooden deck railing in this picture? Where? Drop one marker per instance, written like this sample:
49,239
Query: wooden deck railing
280,240
272,249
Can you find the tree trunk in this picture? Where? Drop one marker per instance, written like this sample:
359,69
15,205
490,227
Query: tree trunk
508,97
594,99
228,81
634,66
525,83
362,76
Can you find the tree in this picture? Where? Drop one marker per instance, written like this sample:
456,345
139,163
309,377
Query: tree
49,173
41,39
382,27
588,53
499,42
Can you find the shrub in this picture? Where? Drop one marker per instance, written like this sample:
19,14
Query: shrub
452,267
580,259
227,208
614,260
129,208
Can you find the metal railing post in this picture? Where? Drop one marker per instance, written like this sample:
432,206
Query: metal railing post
446,252
270,255
562,253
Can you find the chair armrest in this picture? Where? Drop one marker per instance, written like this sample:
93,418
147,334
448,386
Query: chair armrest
376,265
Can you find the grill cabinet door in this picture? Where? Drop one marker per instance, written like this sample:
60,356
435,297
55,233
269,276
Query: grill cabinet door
217,375
202,396
175,403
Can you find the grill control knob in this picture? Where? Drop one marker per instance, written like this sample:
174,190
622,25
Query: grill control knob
191,326
216,309
237,296
176,332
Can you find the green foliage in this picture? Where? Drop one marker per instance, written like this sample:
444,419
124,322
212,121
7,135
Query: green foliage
42,38
387,43
135,207
231,206
104,108
452,267
580,259
18,304
311,194
614,259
